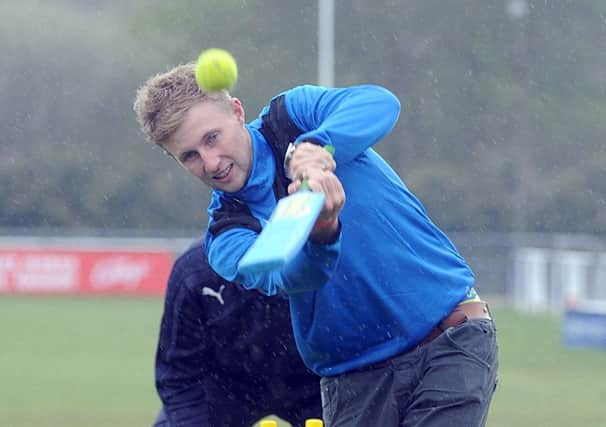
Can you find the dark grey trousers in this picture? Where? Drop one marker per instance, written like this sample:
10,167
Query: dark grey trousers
448,382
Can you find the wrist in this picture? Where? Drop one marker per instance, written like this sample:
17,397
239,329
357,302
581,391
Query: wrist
325,231
290,150
325,224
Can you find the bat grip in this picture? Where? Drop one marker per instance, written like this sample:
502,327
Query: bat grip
304,185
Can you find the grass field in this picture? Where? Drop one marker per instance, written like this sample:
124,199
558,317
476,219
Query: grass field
89,362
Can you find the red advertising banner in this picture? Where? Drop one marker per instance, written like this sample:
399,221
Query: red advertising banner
108,272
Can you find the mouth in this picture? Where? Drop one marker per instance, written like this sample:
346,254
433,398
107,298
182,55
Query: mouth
223,173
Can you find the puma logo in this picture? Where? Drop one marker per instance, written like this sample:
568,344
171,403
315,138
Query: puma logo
212,293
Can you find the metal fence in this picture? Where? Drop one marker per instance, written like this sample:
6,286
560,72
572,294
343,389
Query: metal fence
537,271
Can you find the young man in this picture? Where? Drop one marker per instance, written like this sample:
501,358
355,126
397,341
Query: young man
226,356
383,306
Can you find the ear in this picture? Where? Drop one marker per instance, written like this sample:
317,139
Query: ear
238,110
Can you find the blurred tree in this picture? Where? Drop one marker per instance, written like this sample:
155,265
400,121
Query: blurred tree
485,97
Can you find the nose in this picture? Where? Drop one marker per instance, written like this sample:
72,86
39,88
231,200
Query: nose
212,163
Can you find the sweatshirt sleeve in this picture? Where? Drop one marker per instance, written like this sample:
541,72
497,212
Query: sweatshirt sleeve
352,119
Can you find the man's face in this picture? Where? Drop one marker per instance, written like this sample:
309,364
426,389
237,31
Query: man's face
213,145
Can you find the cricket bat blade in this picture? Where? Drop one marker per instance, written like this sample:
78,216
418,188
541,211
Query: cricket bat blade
284,234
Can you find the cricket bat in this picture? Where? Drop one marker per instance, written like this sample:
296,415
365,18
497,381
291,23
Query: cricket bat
286,231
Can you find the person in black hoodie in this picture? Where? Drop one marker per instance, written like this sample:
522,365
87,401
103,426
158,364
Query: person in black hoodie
226,356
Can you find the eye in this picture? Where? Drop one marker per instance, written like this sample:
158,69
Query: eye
188,156
212,138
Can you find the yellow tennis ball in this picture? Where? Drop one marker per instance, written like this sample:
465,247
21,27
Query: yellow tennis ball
216,69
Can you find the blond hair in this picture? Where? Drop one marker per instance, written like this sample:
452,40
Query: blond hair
162,102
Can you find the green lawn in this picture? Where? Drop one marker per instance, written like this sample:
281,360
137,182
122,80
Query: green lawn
541,382
77,362
89,362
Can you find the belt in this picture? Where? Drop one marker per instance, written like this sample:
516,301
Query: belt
460,314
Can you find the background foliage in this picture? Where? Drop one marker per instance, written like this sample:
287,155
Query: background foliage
501,126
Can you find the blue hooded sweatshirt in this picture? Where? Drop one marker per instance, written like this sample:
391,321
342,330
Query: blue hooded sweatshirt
391,275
